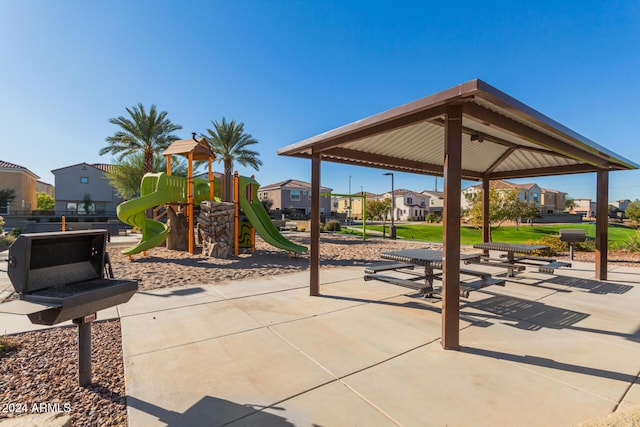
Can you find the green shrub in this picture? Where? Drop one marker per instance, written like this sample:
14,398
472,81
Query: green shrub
587,246
554,243
632,244
431,218
333,225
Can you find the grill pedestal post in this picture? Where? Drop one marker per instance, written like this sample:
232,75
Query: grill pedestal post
84,349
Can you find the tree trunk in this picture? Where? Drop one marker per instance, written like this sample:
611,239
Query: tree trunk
178,236
228,181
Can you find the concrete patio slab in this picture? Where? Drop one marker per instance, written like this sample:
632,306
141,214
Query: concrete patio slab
216,381
170,328
632,399
285,306
168,298
333,404
432,386
255,286
350,340
579,360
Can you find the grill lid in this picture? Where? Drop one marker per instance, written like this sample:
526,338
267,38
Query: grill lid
44,260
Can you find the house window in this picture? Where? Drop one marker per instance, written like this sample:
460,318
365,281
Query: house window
84,180
422,202
295,195
72,207
409,200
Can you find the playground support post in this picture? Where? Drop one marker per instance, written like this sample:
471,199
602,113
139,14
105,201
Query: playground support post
236,214
190,201
253,229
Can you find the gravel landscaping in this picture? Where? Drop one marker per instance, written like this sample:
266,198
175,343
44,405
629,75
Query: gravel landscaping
41,375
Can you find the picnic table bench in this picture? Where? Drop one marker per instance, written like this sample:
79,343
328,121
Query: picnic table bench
431,260
519,255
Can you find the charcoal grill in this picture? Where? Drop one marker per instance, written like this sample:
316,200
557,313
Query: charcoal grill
572,236
65,276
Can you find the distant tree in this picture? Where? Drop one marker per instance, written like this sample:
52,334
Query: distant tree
7,195
230,143
633,211
267,204
127,174
529,211
378,208
569,204
144,133
45,202
504,205
87,203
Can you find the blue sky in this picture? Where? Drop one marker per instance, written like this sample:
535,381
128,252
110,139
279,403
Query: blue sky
292,69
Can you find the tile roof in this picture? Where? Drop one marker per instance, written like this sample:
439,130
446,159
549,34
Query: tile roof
8,165
292,183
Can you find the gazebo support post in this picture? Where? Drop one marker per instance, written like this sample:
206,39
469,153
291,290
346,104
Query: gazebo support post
602,222
314,258
451,230
486,224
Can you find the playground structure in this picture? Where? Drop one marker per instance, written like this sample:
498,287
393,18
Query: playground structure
157,189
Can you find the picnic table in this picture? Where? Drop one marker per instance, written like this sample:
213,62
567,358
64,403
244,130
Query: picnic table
517,254
432,261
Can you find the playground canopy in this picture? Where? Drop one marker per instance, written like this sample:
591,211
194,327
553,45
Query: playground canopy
472,131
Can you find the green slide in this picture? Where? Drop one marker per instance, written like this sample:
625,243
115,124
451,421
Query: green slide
259,218
132,212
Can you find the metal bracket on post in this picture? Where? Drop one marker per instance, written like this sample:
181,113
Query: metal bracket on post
84,348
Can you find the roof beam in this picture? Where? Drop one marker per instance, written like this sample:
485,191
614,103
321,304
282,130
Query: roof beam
520,130
547,171
345,155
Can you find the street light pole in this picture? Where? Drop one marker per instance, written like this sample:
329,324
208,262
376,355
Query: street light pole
349,210
392,230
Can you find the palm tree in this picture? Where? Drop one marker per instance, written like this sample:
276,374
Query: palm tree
146,133
229,143
126,176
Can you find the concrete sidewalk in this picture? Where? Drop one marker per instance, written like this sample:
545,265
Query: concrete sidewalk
546,350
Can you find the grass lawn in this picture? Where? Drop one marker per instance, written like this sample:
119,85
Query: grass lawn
509,234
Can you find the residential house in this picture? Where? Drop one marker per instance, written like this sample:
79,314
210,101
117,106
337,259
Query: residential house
23,181
526,192
84,189
45,187
584,207
351,206
553,201
619,208
409,205
436,201
294,196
